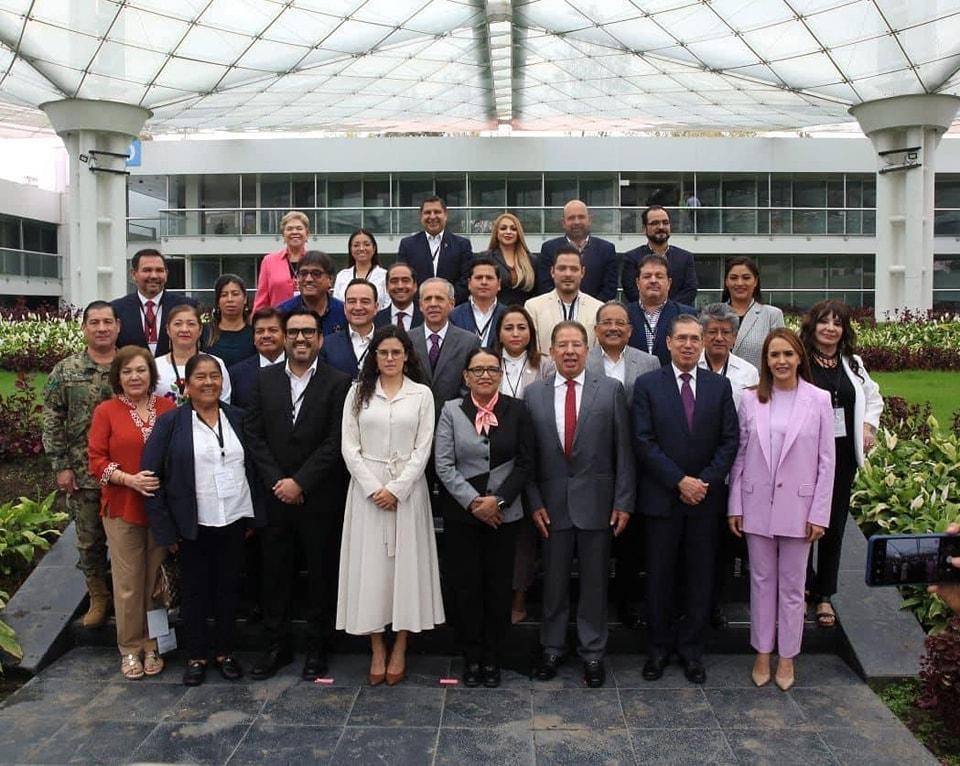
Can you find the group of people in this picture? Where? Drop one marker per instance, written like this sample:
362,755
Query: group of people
509,394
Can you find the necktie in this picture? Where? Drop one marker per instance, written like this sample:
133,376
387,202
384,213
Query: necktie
686,396
569,418
400,316
434,352
150,322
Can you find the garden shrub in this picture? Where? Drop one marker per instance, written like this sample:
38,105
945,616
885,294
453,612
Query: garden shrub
37,340
8,638
940,673
21,422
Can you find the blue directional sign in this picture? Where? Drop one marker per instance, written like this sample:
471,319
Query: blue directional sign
135,155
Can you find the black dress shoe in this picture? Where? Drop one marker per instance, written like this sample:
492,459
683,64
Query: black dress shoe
594,673
490,675
195,673
547,668
654,666
230,669
718,619
628,614
270,662
471,675
315,666
694,671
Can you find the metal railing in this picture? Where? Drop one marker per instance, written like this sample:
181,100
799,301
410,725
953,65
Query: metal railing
27,263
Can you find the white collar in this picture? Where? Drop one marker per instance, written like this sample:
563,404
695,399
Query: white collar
395,309
355,335
156,298
562,381
434,238
480,311
605,355
309,373
677,372
442,332
265,362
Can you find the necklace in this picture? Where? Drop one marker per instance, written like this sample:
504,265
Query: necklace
826,360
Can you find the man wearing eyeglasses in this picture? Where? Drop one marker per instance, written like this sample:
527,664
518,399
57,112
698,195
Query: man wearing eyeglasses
720,324
293,433
314,280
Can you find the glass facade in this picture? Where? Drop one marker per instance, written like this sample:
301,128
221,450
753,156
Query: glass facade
28,248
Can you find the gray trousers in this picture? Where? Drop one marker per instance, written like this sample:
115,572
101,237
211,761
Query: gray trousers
593,549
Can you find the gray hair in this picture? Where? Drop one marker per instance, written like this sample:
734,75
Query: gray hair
719,312
608,304
682,319
440,281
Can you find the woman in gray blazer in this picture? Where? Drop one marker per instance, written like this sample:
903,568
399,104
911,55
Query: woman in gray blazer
741,289
483,453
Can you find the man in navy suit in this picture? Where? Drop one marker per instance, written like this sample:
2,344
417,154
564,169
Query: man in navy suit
683,274
403,310
599,256
267,326
141,314
650,317
481,313
686,437
436,252
346,350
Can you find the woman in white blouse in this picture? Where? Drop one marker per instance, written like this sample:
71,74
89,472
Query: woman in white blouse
741,290
364,263
184,329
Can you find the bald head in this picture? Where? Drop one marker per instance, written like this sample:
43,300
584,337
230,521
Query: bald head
576,221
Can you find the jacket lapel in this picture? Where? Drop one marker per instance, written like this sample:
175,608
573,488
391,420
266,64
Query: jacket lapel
419,339
762,414
550,413
748,322
591,385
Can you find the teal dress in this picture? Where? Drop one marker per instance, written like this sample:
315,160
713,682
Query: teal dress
233,345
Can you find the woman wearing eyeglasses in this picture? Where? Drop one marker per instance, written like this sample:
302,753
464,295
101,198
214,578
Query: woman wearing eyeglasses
388,553
483,456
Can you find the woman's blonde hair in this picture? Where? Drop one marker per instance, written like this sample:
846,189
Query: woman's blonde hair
295,215
521,252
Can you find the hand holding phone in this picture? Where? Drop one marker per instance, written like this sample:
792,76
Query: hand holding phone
949,592
913,559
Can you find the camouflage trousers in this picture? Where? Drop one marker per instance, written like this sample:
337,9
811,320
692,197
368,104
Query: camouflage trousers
84,508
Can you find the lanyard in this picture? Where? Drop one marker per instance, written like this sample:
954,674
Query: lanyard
651,331
481,331
294,267
514,389
567,317
179,382
218,433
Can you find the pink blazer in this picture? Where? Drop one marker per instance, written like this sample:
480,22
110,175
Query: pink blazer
275,285
780,501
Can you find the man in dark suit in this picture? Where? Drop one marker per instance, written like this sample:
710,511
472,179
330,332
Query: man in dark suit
686,435
583,488
481,313
599,256
267,326
293,433
436,252
682,272
650,317
346,350
141,314
403,310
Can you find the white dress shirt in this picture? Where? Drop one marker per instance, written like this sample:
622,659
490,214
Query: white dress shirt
211,470
615,369
298,385
511,383
740,373
143,315
677,372
483,320
265,362
560,399
407,315
435,244
360,343
442,332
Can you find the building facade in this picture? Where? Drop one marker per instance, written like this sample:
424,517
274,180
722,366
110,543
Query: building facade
30,254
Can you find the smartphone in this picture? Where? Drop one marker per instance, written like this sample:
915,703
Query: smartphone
911,559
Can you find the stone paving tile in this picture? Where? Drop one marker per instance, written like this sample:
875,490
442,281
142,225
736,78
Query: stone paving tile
200,703
782,747
270,743
840,707
487,708
682,747
570,676
50,698
310,704
406,706
824,670
766,708
134,701
402,746
509,678
569,709
210,742
21,737
872,743
509,746
87,663
106,742
628,674
667,709
584,748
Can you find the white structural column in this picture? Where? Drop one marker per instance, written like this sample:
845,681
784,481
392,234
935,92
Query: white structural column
97,135
500,45
905,132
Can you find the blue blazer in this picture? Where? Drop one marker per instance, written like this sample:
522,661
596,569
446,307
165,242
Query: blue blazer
599,259
131,319
680,268
667,450
338,352
456,254
243,379
462,317
383,317
169,454
638,339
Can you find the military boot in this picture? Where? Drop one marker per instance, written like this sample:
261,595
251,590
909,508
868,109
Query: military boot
100,602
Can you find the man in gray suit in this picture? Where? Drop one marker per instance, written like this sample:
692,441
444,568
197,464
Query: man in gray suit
583,488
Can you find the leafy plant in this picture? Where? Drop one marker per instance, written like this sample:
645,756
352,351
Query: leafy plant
25,526
20,421
8,638
37,340
940,672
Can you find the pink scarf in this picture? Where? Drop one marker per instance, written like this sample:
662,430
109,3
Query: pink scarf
485,417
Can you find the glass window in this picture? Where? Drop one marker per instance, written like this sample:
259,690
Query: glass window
870,192
376,191
248,190
604,222
304,187
452,190
781,191
177,274
776,271
846,271
219,190
810,271
709,272
244,266
946,190
9,232
869,272
836,222
412,190
947,300
558,191
946,272
835,193
344,192
809,192
204,271
275,191
146,196
524,192
177,192
708,189
39,237
343,221
488,192
739,191
739,221
530,220
809,222
599,192
377,221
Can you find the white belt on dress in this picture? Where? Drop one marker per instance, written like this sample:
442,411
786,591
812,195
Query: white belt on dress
388,520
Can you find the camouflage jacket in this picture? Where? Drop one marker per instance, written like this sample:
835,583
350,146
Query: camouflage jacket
75,387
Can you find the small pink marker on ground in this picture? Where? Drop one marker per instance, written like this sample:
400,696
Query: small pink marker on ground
449,681
324,681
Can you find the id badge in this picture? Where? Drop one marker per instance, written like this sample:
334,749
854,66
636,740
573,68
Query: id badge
227,484
296,293
839,423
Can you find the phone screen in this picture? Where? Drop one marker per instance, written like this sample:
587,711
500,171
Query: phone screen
913,560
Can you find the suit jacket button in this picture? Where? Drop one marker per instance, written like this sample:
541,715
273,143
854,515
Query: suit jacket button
779,485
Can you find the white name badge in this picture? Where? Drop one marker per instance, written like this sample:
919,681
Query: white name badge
227,483
839,423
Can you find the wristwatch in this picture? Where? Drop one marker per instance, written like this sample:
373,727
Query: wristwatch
501,503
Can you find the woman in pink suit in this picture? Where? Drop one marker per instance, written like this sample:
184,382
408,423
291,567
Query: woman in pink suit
780,489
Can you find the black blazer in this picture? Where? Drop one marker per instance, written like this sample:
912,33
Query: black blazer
599,259
131,320
680,268
456,253
242,377
509,295
338,353
169,454
307,451
384,317
638,339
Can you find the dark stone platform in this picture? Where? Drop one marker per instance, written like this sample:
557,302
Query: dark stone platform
80,710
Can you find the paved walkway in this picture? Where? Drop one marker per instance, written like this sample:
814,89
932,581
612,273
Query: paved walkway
80,710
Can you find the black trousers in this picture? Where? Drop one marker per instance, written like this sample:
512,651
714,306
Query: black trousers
822,581
480,564
688,540
316,538
210,571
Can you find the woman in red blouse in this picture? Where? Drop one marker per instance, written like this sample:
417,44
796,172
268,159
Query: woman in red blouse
119,429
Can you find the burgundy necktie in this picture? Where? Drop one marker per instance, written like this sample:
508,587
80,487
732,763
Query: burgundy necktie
569,418
434,352
686,396
400,316
150,322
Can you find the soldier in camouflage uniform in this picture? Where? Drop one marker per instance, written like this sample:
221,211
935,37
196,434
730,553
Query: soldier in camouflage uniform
75,387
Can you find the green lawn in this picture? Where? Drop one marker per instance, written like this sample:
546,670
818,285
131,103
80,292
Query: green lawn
941,389
8,379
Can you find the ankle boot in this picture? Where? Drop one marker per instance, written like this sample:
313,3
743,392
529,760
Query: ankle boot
100,602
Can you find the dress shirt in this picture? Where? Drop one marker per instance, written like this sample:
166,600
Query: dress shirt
739,372
360,343
677,372
653,319
264,362
483,320
511,383
615,369
582,247
143,315
435,244
298,385
442,332
560,399
407,312
213,510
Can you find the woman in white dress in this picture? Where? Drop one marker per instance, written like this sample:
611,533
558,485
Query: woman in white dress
388,554
363,262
